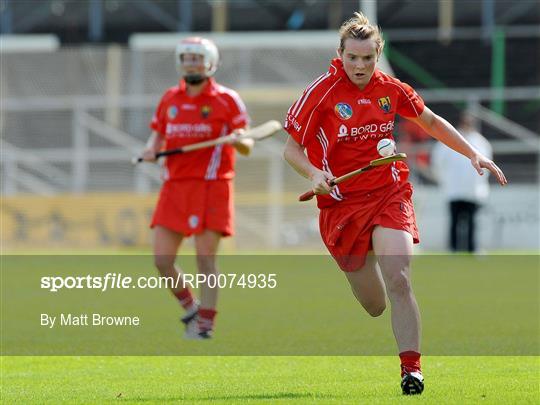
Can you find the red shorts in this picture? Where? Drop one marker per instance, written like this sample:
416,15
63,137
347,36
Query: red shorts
346,227
191,206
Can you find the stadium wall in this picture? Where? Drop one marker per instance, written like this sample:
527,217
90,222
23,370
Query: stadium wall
510,221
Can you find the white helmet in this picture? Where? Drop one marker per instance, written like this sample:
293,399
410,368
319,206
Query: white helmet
198,46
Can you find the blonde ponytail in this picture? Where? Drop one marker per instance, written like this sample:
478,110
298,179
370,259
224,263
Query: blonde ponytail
359,27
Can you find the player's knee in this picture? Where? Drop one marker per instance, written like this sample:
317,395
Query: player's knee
391,263
398,284
375,309
163,262
206,263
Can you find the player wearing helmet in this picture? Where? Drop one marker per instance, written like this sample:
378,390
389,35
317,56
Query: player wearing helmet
200,48
197,193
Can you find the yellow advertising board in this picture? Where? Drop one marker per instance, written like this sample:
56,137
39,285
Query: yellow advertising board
76,221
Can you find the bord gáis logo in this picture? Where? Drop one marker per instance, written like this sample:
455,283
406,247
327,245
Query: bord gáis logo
343,131
368,131
343,111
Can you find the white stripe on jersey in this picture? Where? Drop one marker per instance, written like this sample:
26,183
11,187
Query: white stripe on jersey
320,101
321,136
211,173
335,69
324,142
215,160
309,86
305,96
234,95
292,107
395,172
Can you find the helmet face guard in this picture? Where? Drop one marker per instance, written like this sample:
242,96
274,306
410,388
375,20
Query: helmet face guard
199,46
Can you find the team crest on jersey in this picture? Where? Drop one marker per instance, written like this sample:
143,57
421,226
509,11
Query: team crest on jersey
384,103
205,111
172,112
193,221
343,111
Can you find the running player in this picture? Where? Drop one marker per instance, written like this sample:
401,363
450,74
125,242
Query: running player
197,194
368,223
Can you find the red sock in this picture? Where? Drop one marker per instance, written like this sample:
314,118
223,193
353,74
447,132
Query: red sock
410,362
206,318
185,298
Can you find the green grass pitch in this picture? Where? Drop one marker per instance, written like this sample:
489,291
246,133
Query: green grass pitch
265,380
307,341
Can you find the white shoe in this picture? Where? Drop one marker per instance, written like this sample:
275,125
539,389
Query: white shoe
189,316
193,332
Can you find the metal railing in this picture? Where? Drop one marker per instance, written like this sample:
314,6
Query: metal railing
21,163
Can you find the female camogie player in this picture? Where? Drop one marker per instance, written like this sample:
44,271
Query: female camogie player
338,121
197,194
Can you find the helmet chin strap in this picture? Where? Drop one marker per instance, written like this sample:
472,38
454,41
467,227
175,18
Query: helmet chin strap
194,78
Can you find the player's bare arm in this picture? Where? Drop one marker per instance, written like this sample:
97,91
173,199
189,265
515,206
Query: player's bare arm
295,156
444,132
154,145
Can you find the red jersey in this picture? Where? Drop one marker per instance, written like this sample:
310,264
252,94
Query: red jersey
183,120
340,126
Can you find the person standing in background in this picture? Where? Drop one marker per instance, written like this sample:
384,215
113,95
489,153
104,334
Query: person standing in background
464,190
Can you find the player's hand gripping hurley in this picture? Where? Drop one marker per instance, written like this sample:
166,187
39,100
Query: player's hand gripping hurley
308,195
257,133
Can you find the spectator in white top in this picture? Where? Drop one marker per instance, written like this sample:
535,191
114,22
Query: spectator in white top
464,190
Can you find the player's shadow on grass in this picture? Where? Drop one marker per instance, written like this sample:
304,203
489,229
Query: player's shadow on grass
279,395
